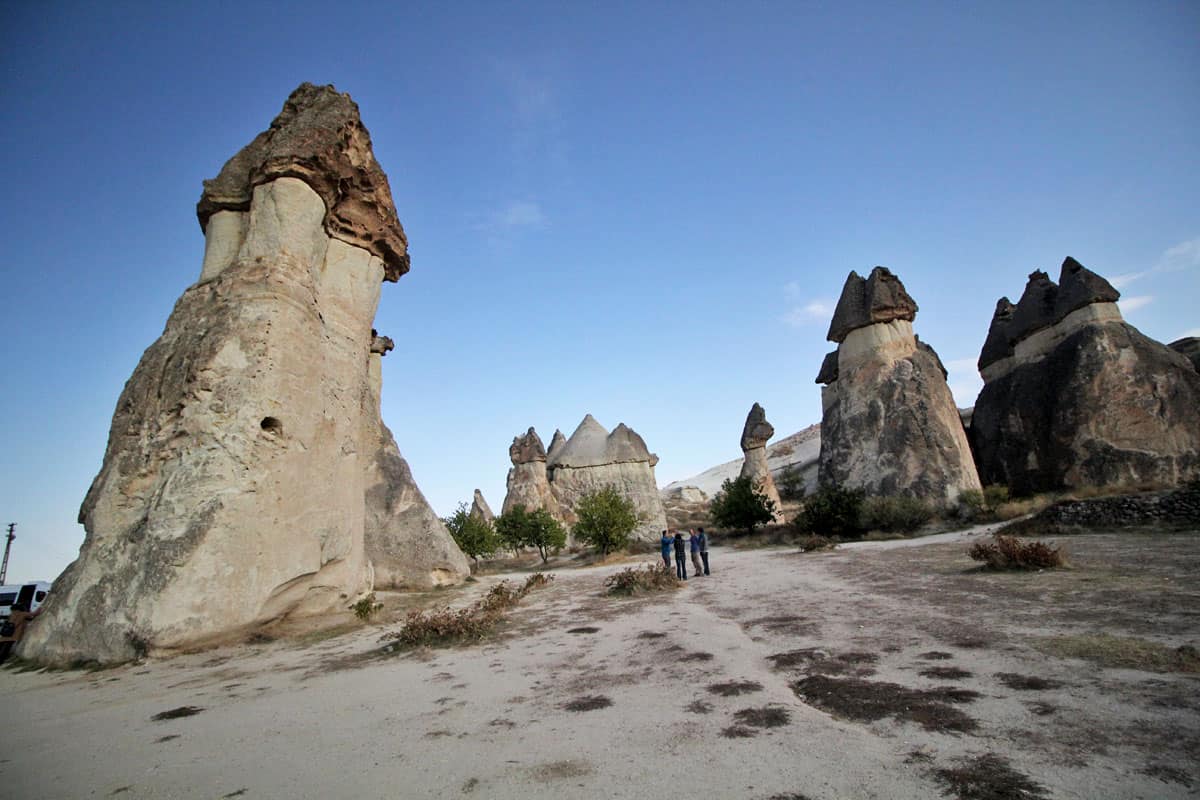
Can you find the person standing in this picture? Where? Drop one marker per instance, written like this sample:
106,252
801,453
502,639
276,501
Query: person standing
666,543
703,537
694,542
680,557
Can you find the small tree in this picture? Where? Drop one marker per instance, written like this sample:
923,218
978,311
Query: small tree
833,511
522,528
474,535
740,504
606,518
791,483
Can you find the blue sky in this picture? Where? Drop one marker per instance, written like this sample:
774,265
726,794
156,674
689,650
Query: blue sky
641,211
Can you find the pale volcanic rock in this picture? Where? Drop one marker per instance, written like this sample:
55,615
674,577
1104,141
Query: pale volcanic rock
889,423
480,508
755,435
236,484
592,458
557,442
1085,400
527,482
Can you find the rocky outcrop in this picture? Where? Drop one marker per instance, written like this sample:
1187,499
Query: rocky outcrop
246,457
594,458
755,435
889,423
556,445
527,482
1074,396
1189,347
480,508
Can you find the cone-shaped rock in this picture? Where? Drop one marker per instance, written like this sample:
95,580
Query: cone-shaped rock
480,508
755,435
235,485
1074,396
889,425
593,458
527,482
557,442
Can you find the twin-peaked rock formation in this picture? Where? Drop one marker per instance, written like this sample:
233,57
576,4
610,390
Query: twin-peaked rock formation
889,422
1074,396
248,475
755,435
591,459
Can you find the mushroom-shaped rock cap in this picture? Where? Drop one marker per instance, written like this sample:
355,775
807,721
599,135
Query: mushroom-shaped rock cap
757,431
880,297
625,445
1035,309
527,449
829,368
587,447
998,344
319,138
1078,286
381,344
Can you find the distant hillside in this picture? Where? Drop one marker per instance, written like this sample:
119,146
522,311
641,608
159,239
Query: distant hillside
800,449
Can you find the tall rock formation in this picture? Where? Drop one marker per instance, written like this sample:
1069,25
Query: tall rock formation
594,458
755,435
480,508
246,451
1074,396
527,482
889,422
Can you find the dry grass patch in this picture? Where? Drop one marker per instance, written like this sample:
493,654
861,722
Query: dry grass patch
989,777
738,732
765,717
1027,683
588,703
815,543
946,673
699,707
1122,652
630,581
735,688
584,629
449,626
936,655
1011,553
176,713
868,701
818,662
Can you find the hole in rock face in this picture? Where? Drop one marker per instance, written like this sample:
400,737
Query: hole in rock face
272,425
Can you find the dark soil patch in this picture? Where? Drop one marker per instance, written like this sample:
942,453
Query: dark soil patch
584,629
789,624
734,688
1043,709
697,657
176,713
1168,774
936,655
989,777
765,717
1027,683
789,796
166,738
972,643
738,732
650,635
945,673
588,703
819,662
868,701
699,707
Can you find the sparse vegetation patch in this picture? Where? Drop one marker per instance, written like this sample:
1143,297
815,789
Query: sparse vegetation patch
1123,652
945,673
765,717
868,701
735,688
640,580
449,626
588,703
989,777
1027,683
176,713
1010,553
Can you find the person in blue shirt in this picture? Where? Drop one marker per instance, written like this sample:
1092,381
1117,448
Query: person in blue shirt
666,543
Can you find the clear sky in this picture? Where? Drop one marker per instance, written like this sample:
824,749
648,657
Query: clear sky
643,211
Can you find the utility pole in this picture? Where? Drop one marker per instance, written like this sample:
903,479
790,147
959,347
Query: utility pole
7,548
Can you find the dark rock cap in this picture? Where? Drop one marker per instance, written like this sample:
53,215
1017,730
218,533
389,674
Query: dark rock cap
880,297
526,449
381,344
998,344
319,138
1078,286
1035,309
829,368
1188,346
757,431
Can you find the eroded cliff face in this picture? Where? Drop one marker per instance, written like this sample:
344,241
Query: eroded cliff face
889,423
1074,396
234,487
755,435
593,458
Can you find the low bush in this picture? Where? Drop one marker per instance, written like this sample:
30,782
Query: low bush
449,626
833,512
648,578
790,483
814,542
895,513
1010,553
365,607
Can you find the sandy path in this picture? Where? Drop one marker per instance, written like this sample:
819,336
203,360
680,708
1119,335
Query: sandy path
280,720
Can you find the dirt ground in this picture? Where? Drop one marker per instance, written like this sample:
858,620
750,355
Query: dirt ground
879,670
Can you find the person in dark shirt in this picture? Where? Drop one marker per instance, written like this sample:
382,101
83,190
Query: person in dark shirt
694,545
680,557
703,548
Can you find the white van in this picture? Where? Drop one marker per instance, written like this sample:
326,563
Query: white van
29,594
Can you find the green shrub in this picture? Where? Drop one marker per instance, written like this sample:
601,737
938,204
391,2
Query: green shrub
790,483
971,503
833,511
523,528
656,577
740,505
895,513
1010,553
994,495
474,535
365,607
606,518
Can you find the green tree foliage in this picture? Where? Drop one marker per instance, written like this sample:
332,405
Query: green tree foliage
474,536
523,528
740,505
833,512
606,518
791,483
